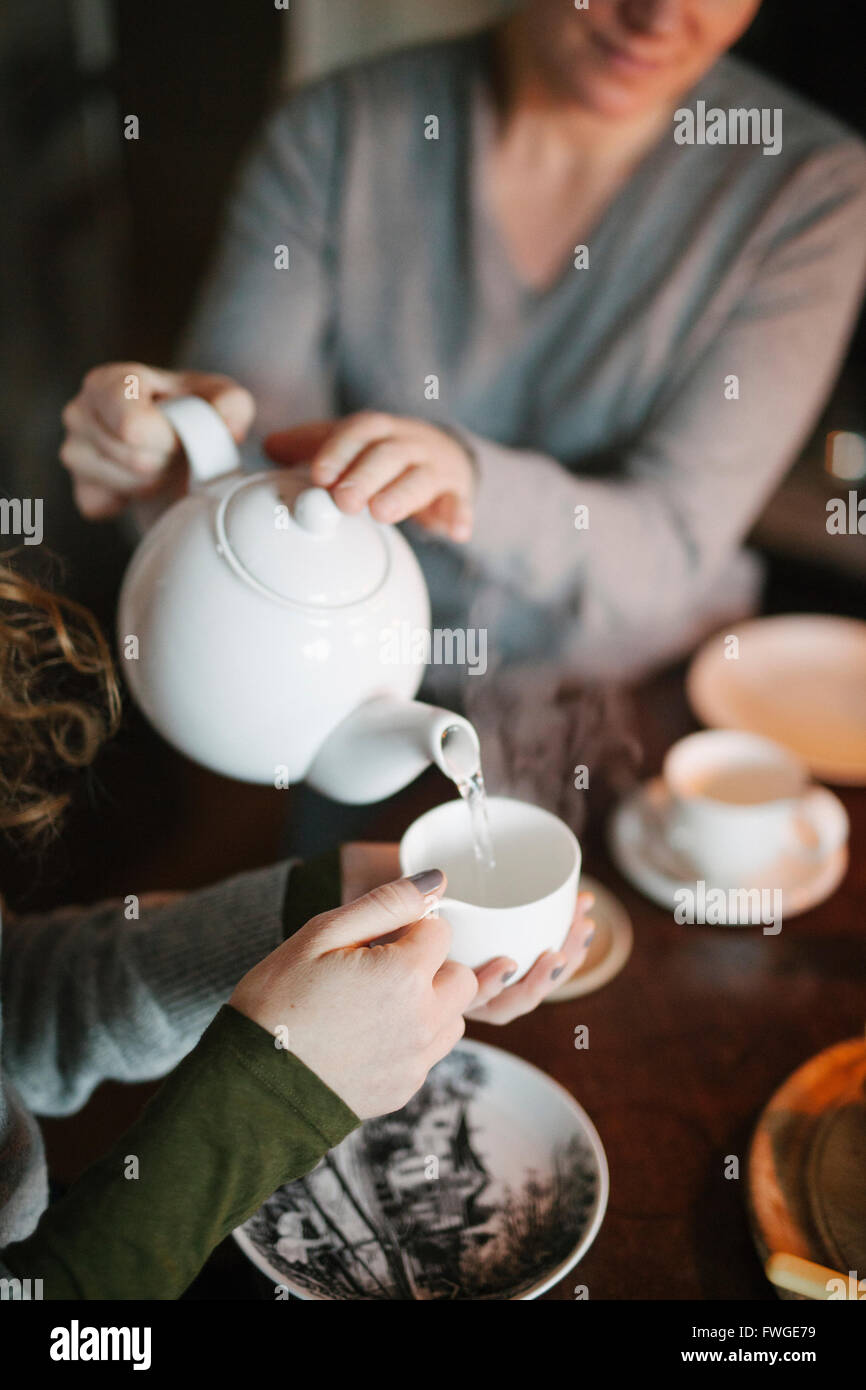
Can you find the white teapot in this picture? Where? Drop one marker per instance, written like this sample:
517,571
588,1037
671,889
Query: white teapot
253,628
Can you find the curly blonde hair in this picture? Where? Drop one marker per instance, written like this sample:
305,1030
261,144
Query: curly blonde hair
59,701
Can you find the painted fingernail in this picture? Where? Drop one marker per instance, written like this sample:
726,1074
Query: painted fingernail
428,880
555,974
589,938
509,975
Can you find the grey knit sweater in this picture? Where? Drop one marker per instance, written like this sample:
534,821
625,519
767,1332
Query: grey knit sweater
88,996
607,391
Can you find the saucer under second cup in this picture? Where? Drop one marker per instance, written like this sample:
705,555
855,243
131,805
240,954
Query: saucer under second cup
636,836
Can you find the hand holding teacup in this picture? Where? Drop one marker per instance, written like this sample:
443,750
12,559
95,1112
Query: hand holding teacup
497,1003
365,866
522,919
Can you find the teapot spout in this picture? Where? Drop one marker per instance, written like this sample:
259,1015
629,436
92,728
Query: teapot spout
386,743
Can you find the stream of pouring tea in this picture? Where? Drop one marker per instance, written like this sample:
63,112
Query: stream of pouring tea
468,778
475,796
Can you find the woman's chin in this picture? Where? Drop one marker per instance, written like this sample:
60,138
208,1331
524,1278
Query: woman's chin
615,99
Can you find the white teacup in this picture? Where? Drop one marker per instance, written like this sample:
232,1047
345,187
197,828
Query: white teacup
735,802
530,895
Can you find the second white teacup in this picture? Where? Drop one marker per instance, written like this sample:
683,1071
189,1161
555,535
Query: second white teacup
528,898
735,801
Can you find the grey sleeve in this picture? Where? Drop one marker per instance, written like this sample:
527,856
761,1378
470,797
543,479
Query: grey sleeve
265,313
697,479
88,995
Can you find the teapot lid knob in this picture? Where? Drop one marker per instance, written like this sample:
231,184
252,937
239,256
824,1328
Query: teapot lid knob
316,511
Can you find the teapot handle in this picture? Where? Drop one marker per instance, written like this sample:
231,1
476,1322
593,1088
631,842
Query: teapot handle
207,441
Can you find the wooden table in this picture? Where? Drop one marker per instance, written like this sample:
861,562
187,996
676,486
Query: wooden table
685,1045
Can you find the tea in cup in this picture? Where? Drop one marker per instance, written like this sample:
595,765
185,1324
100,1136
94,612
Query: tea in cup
734,802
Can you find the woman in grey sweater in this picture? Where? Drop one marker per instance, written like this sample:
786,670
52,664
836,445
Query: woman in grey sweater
592,277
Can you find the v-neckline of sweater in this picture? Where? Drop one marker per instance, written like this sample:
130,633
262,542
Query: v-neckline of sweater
488,237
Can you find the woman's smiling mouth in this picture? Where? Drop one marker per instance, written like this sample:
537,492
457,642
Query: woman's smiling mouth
623,58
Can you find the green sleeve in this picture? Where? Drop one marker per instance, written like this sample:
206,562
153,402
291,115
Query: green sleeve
312,887
238,1118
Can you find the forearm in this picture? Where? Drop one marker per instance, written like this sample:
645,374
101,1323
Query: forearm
555,535
89,995
237,1119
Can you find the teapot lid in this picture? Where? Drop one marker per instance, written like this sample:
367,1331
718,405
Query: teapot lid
293,542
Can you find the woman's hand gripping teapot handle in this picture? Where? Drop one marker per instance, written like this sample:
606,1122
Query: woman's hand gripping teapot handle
121,447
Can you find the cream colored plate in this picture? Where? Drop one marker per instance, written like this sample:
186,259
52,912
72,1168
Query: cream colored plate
610,949
798,679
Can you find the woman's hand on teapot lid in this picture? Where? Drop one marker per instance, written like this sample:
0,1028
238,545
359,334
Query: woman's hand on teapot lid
397,467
